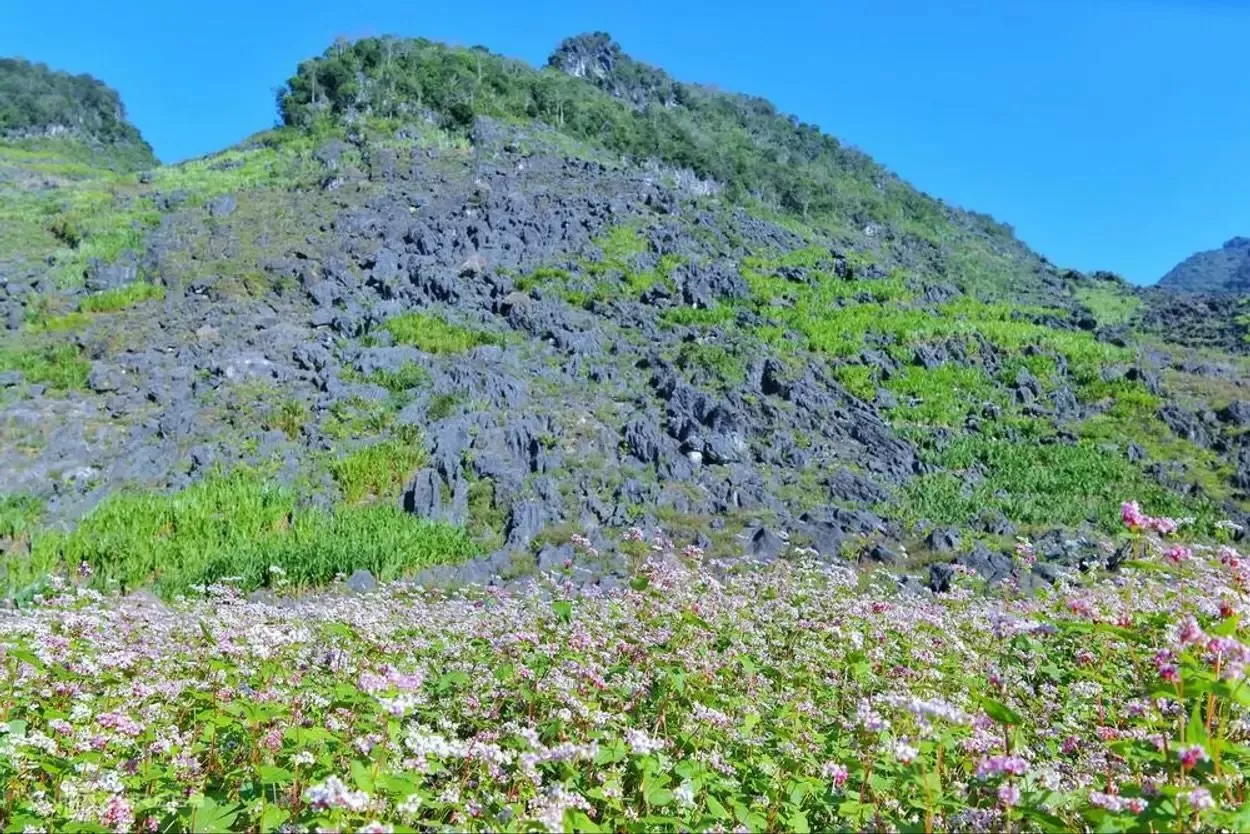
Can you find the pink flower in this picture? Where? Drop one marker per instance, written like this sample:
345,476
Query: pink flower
836,773
118,814
1190,756
1177,554
1002,765
1190,633
1008,795
1131,515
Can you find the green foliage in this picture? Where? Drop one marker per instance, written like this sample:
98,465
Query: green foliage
434,334
714,363
1036,482
111,301
860,380
942,396
289,417
19,514
355,418
441,406
235,525
487,518
380,470
409,375
1109,303
59,366
728,701
38,102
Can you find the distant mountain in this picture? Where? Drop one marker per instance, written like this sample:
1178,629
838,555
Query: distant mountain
1223,270
38,104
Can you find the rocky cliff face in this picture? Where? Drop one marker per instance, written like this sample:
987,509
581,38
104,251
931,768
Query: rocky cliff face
528,335
1223,270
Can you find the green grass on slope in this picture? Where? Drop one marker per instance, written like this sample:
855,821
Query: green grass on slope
432,334
65,209
239,526
60,367
1038,483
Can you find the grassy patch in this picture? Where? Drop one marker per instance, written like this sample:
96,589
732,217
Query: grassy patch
110,301
1036,483
237,525
1109,304
706,362
941,396
378,471
357,417
433,334
409,375
59,367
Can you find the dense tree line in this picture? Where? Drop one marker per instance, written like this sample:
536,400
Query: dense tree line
38,101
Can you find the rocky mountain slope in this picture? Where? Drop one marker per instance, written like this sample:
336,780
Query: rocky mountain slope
1223,270
464,315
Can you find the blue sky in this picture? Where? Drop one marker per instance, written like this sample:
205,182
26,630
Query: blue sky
1112,134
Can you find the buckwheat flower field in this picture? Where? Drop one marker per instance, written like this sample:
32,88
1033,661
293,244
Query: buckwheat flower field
797,696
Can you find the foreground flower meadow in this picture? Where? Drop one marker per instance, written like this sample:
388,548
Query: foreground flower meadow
797,696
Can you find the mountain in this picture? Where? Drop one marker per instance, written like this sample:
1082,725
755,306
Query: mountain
38,105
470,318
1223,270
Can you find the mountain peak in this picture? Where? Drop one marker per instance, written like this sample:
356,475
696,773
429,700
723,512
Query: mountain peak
1223,270
596,58
38,103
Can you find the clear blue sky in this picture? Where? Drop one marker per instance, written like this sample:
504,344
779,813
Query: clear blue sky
1111,133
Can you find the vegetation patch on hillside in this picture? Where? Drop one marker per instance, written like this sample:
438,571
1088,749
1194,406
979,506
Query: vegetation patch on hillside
238,528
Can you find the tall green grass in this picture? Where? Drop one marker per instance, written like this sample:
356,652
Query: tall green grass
235,526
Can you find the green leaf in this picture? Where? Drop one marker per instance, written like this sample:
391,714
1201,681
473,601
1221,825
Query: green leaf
26,656
273,817
362,776
275,775
658,797
1000,712
716,809
563,609
798,823
575,820
1046,822
640,583
1195,730
1227,628
211,817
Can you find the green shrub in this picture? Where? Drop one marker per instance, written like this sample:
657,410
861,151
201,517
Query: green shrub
1037,483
